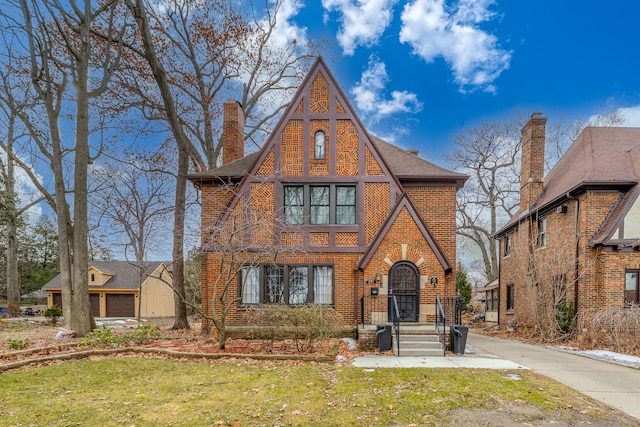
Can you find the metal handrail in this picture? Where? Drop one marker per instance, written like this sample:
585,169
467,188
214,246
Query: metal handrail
441,320
396,322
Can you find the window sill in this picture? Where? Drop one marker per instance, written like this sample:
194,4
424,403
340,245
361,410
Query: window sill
511,311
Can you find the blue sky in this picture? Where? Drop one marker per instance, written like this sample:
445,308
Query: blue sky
420,72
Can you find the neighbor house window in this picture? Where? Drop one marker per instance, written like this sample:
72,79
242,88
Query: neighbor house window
93,277
510,297
492,300
320,204
286,284
632,287
507,245
542,232
320,145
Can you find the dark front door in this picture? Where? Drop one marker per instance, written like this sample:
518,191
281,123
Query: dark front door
403,284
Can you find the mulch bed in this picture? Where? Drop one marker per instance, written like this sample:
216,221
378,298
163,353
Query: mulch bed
44,349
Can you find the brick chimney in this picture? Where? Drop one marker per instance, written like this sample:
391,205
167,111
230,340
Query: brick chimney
532,167
232,132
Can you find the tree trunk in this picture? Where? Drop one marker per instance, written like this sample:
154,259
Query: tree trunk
137,8
13,276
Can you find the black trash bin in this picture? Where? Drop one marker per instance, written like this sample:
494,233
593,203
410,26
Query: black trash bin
384,338
459,338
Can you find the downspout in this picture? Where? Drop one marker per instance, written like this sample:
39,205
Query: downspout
576,261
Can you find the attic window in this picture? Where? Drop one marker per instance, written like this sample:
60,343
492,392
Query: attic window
320,145
93,277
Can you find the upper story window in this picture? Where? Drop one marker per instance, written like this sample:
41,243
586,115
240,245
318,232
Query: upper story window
507,245
542,232
327,204
93,277
320,145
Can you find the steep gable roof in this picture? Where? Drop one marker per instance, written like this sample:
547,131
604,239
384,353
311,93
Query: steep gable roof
401,163
601,157
404,203
126,275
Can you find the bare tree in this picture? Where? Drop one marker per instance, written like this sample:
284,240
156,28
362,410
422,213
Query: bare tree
60,50
234,249
490,155
195,59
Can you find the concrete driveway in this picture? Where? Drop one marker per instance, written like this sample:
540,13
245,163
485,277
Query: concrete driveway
617,386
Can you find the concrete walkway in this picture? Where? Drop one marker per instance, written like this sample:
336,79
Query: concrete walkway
617,386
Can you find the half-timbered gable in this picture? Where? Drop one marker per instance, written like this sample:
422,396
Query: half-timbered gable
331,205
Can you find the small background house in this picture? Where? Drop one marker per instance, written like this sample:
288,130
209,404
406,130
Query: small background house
115,291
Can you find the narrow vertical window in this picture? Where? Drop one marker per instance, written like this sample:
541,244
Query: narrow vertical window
250,285
632,287
323,284
93,277
319,204
510,297
542,232
346,205
274,285
507,245
294,204
298,284
320,145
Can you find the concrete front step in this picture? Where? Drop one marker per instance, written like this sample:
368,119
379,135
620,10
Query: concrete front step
420,346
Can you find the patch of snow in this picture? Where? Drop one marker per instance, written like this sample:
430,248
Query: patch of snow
605,356
350,342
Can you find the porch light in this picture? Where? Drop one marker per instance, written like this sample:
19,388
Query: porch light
378,277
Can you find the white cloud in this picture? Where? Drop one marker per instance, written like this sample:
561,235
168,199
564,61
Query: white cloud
368,94
435,30
631,114
362,21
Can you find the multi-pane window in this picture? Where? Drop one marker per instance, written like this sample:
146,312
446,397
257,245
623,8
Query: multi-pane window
286,284
510,297
320,145
542,232
324,204
346,204
632,287
294,205
492,300
320,206
507,245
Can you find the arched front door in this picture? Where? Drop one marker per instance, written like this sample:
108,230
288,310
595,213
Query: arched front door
404,284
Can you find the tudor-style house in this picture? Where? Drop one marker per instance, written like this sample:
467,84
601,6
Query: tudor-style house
576,236
339,216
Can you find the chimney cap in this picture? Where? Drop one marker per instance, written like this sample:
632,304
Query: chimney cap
536,114
413,151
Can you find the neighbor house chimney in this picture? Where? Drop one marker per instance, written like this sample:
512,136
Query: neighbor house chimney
232,132
532,168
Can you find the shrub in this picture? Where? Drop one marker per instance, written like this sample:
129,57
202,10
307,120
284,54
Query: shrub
565,317
101,335
18,343
617,328
53,313
304,324
143,332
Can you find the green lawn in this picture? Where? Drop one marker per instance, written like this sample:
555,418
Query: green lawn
158,392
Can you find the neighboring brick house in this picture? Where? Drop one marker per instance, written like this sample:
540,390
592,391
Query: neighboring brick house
577,232
339,211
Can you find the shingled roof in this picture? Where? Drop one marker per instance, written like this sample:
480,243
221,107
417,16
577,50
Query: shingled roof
406,165
126,275
601,157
